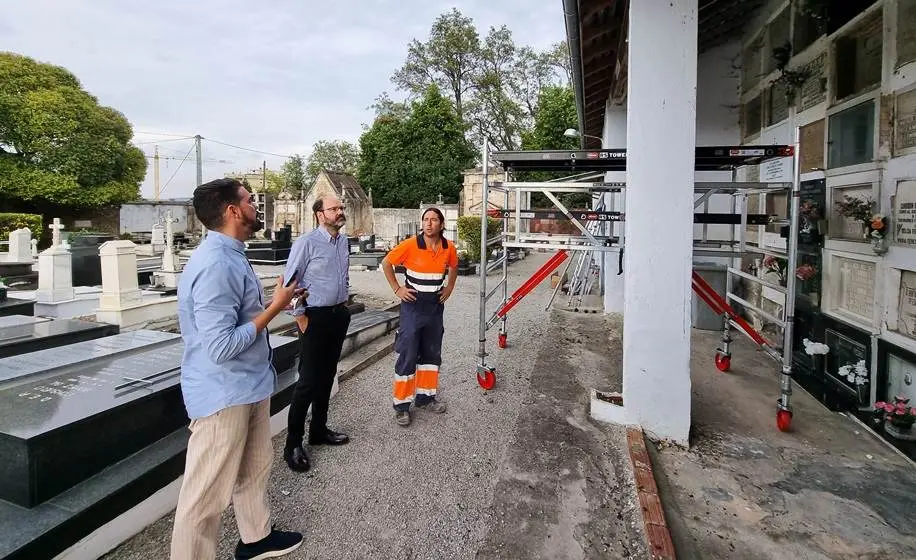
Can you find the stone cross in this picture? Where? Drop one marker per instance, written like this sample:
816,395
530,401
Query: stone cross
34,248
168,259
56,228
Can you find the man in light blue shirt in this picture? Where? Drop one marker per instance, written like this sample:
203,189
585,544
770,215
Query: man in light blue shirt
227,380
321,260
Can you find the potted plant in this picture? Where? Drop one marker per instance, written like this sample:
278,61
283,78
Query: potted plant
808,275
898,418
874,226
776,266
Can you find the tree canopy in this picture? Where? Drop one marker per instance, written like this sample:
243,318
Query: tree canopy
492,83
414,159
58,145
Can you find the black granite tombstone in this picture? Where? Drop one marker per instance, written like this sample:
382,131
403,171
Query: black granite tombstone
60,426
267,251
87,264
20,334
14,306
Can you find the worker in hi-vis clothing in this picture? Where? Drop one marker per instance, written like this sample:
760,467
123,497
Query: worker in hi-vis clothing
427,258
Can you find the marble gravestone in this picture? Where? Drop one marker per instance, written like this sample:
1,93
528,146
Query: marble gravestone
55,270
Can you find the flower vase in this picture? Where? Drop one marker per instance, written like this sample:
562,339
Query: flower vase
903,432
879,245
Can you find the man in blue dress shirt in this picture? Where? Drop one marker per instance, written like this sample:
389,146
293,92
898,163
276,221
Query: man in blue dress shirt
321,259
227,379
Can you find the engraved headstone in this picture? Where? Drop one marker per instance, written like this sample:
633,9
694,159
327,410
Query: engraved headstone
904,219
856,287
906,308
65,422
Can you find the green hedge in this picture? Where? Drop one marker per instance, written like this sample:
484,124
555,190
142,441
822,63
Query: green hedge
469,233
11,222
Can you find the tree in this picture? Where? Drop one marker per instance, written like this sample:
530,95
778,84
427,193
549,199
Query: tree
406,161
448,59
57,144
293,174
493,84
331,155
556,112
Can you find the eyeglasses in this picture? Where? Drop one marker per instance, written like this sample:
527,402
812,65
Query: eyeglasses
340,208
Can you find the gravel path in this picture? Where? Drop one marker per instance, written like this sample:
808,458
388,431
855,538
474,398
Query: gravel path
426,491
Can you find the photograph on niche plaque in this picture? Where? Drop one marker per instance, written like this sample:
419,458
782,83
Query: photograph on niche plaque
847,366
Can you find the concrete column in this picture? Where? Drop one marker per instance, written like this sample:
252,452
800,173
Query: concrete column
615,136
661,142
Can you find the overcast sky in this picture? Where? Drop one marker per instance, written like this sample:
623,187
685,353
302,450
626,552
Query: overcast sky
274,76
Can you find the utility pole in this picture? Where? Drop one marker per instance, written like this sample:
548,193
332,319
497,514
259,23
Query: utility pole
156,172
264,176
200,162
200,179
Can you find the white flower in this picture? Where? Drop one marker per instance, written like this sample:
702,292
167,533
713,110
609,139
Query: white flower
815,348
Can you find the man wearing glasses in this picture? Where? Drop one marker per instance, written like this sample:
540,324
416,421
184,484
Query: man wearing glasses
321,261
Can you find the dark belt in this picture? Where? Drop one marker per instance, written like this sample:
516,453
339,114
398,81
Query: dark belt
326,308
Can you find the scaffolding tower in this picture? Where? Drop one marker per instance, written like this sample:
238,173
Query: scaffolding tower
595,240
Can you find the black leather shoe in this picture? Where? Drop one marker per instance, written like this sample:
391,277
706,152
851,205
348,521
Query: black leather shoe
296,459
329,437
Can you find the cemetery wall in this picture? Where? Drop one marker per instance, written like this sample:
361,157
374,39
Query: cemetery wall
856,107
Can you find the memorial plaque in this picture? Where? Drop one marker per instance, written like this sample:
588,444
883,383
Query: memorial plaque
813,90
845,353
811,146
905,125
59,429
906,308
39,335
906,32
856,290
905,214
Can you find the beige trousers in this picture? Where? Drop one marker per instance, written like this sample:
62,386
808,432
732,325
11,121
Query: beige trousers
229,457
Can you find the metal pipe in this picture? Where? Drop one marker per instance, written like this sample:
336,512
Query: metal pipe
571,11
482,271
792,249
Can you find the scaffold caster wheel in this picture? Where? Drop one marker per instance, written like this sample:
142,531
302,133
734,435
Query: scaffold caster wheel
723,362
487,379
783,420
501,340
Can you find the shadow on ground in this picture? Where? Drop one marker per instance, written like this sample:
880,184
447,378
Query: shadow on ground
827,489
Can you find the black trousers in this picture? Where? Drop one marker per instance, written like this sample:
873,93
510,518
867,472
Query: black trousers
319,351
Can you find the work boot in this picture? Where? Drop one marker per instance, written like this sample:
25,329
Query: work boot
434,406
402,417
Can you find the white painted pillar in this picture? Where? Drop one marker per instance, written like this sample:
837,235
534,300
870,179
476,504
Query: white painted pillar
614,136
661,142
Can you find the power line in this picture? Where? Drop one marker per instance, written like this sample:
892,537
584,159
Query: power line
248,149
176,170
165,140
164,134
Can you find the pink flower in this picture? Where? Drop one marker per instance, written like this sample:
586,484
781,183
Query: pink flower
888,407
901,406
880,404
900,412
913,411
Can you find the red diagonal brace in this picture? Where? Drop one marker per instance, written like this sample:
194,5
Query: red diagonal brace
705,291
532,282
